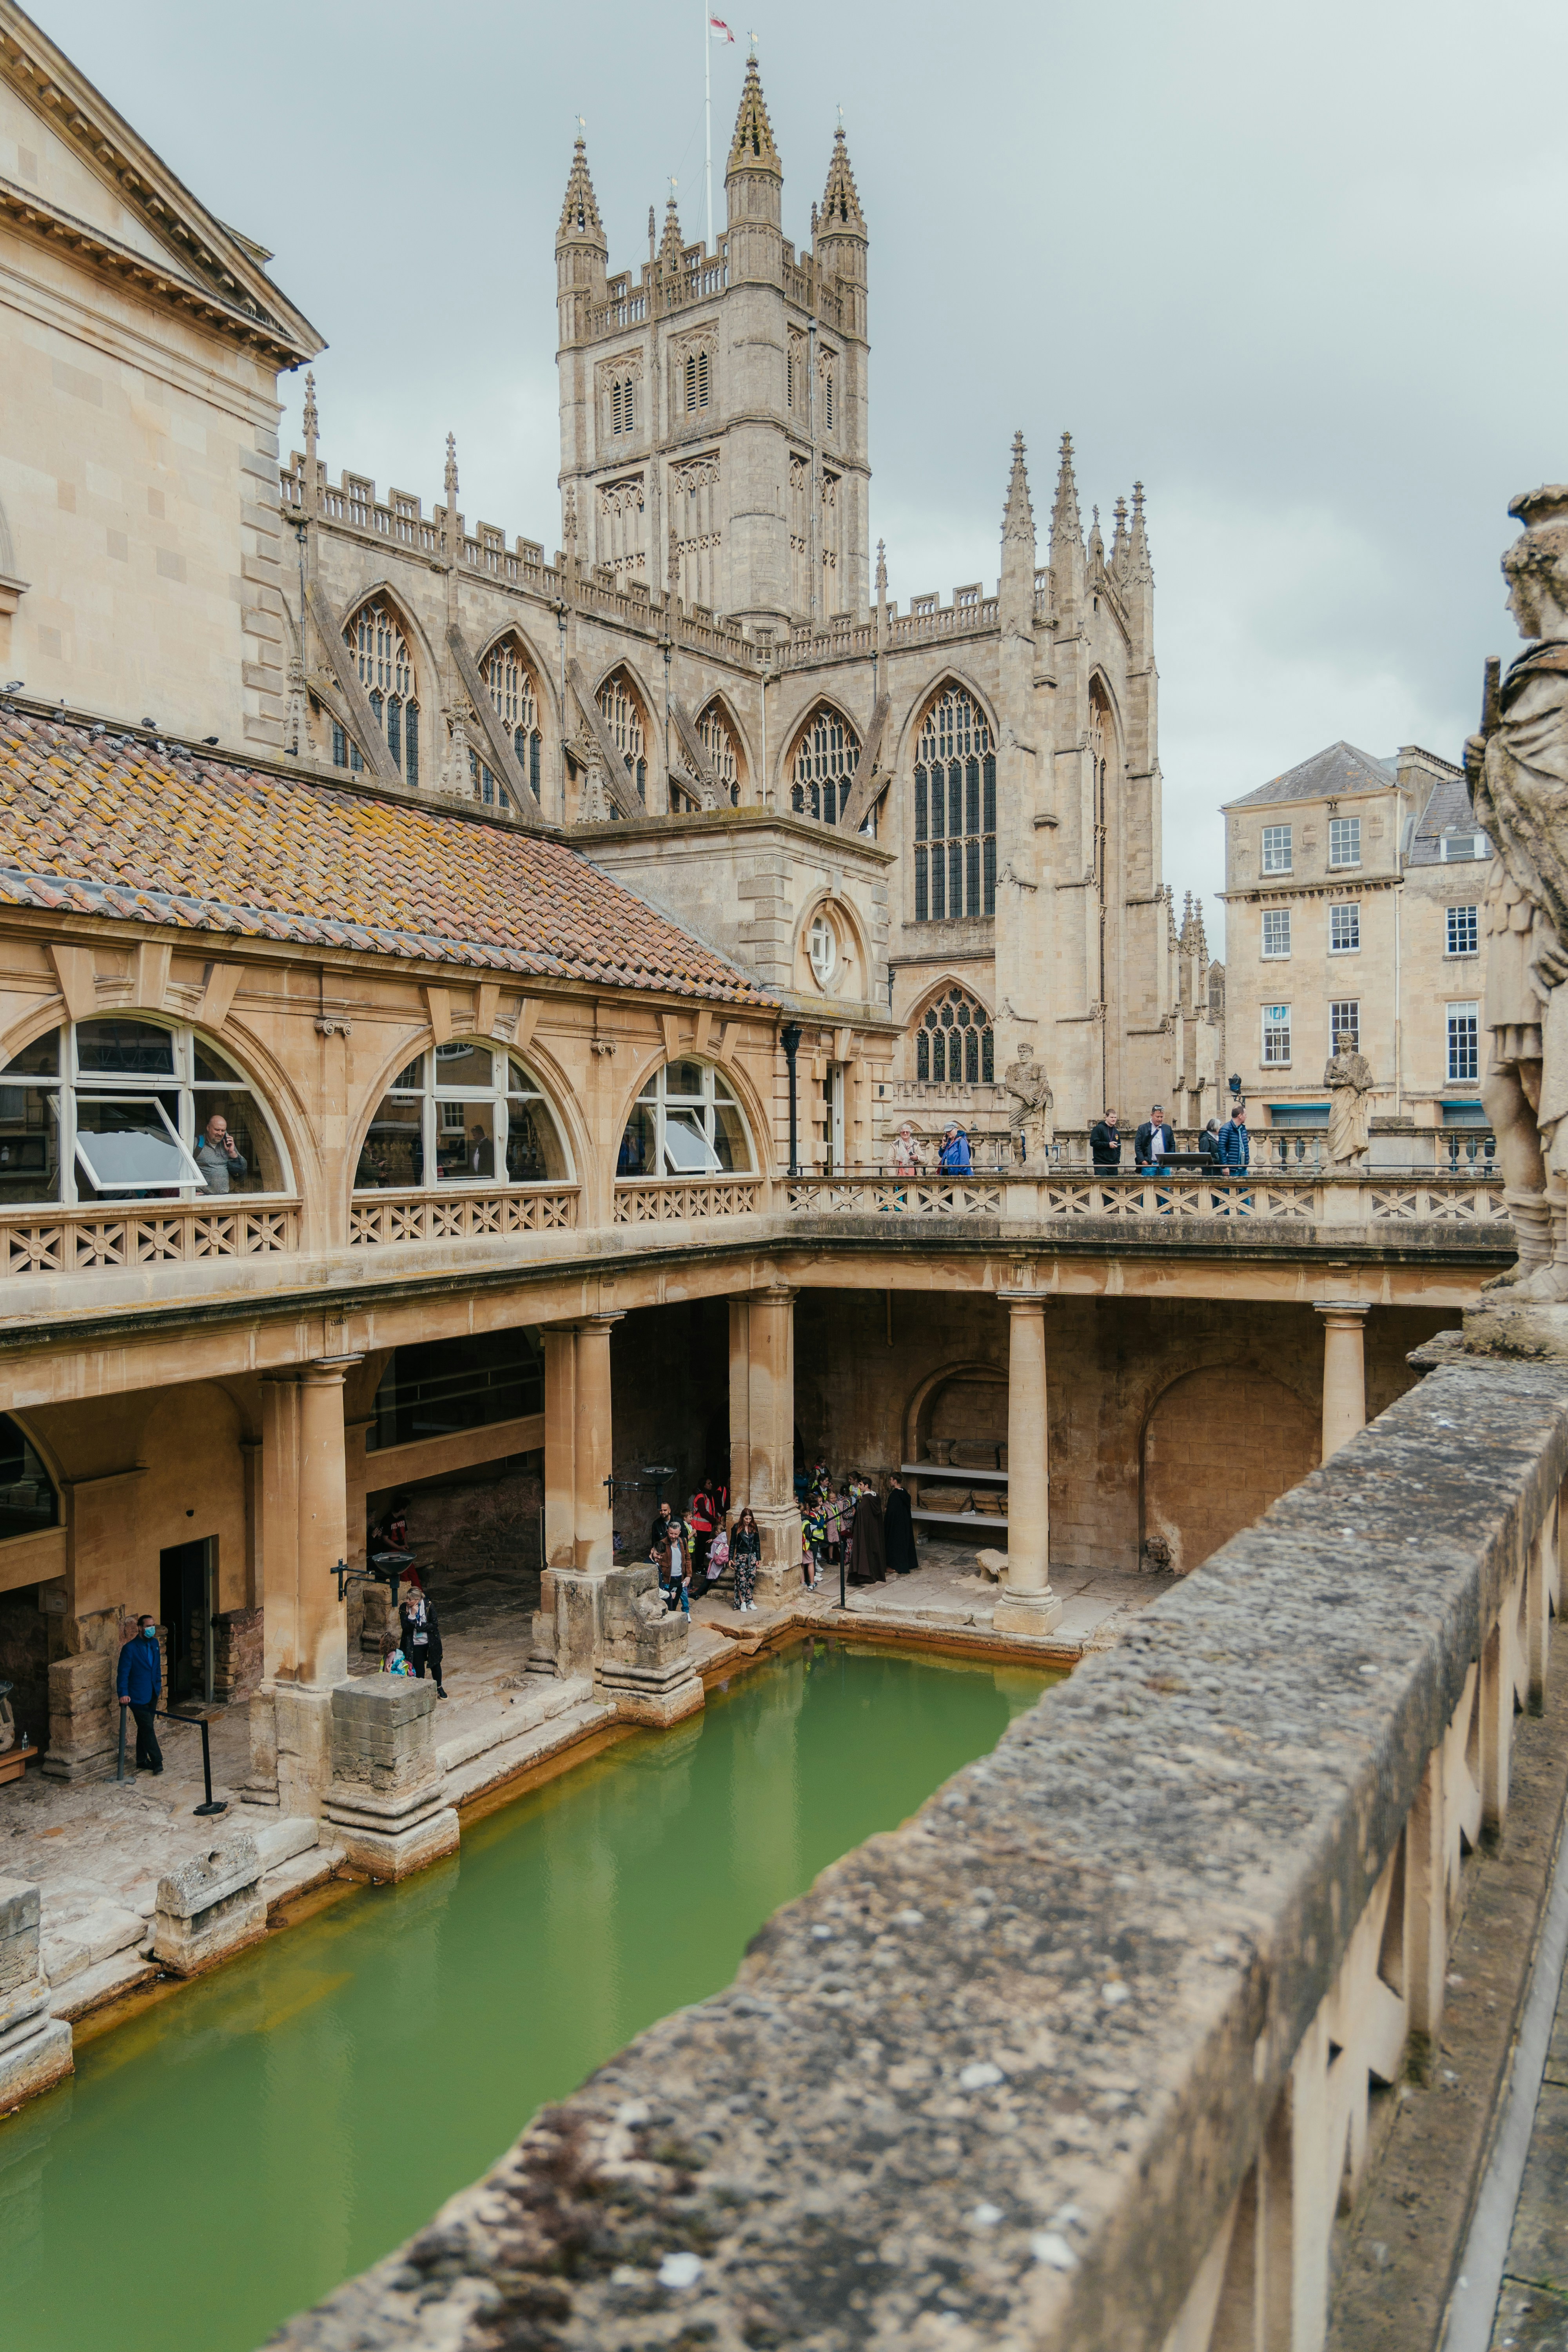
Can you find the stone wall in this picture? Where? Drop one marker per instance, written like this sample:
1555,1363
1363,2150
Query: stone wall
669,1368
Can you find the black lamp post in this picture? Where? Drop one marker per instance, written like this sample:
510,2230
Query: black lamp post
790,1041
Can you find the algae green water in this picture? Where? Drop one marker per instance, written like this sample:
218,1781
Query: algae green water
235,2152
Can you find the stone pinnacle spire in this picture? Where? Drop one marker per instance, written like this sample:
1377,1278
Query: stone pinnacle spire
1119,536
672,246
881,571
580,211
1138,561
841,202
451,473
1065,521
1095,545
753,147
312,424
1018,521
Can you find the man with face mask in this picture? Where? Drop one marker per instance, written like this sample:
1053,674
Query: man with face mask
140,1683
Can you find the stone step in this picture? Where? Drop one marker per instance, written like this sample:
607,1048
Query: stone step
504,1719
532,1746
77,1944
122,1972
301,1870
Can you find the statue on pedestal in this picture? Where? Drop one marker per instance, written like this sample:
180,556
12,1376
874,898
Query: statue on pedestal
1518,771
1033,1105
1348,1077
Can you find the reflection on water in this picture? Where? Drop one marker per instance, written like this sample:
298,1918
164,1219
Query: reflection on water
233,2153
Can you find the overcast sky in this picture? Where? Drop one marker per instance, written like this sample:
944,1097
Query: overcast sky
1300,270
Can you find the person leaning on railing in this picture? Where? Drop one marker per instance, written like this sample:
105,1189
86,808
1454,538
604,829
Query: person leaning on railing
1235,1144
1105,1144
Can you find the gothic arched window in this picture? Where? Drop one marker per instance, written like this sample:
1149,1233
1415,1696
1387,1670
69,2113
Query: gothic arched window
516,699
723,751
825,758
387,673
697,381
623,404
624,718
955,812
954,1042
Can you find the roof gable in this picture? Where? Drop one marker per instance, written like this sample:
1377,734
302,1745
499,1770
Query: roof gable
49,169
1335,773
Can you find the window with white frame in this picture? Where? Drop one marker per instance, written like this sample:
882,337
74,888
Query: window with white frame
1464,1041
1276,1035
822,946
1344,841
124,1109
1276,931
1277,849
1345,930
1344,1024
462,1114
1457,848
685,1123
1464,925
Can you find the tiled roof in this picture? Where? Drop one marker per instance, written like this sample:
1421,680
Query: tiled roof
1447,811
1327,775
116,827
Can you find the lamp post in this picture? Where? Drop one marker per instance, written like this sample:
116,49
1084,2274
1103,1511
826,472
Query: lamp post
790,1040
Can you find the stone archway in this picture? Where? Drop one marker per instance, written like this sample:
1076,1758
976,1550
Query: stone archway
1219,1446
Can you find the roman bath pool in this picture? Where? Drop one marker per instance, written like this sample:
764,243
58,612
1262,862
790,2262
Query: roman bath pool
229,2154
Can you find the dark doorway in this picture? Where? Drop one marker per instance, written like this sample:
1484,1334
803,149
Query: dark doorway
185,1607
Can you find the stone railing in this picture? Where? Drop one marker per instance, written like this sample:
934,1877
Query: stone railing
674,1200
1309,1199
1088,2049
954,620
99,1240
381,1217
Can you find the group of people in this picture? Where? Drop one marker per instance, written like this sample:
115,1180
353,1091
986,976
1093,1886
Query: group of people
954,1157
1227,1148
414,1647
695,1551
871,1537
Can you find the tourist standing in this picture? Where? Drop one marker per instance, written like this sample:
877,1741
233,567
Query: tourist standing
1154,1141
679,1538
954,1156
422,1639
899,1529
868,1561
908,1157
1208,1144
704,1514
1235,1146
745,1556
139,1683
1105,1145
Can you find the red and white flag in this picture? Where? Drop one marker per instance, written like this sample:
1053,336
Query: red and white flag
718,30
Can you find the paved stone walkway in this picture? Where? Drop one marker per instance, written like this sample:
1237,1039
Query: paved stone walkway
1532,2309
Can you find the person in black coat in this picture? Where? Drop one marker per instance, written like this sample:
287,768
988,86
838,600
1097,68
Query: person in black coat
899,1530
1208,1144
1153,1127
421,1638
1105,1145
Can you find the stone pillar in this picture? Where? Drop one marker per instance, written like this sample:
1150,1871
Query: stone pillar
34,2048
770,1451
84,1719
560,1445
592,1442
1028,1605
321,1654
740,1402
388,1795
1344,1371
210,1907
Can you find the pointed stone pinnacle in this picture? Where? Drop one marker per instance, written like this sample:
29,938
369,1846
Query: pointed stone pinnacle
752,147
451,472
1018,520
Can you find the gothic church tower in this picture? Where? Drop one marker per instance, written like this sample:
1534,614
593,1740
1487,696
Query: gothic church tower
713,410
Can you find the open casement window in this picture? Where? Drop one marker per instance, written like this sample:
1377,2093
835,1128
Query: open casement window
685,1123
123,1109
462,1114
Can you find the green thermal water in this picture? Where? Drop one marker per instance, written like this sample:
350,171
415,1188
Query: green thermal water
231,2154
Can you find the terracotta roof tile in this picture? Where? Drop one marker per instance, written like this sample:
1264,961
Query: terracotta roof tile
113,826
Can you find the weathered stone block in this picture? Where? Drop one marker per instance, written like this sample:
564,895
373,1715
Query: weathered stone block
35,2051
19,1911
644,1666
210,1906
237,1653
387,1797
84,1717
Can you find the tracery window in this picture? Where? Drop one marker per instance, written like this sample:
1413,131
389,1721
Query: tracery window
697,375
623,404
955,812
799,533
825,758
723,752
119,1110
694,520
387,673
685,1123
955,1044
620,538
463,1113
513,690
624,718
795,378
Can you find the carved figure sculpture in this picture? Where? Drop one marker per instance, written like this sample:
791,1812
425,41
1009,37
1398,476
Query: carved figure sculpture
1033,1105
1348,1077
1517,771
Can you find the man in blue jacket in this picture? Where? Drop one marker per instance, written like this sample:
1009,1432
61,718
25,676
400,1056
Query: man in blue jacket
955,1160
1235,1146
139,1682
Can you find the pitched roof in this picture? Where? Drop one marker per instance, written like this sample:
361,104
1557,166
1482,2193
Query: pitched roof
118,827
1447,811
1327,775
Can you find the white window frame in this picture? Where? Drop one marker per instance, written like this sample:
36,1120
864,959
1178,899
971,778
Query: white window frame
822,949
1339,1005
1473,926
1464,848
1463,1010
694,1117
1277,837
1350,908
424,1086
1276,1026
1349,828
1278,916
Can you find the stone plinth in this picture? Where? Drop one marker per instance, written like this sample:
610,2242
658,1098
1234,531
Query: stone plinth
644,1666
568,1622
84,1717
34,2048
290,1748
210,1907
238,1655
388,1795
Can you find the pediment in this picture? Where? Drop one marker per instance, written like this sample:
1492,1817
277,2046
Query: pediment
46,167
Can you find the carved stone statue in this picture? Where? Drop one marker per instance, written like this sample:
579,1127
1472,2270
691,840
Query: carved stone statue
1348,1078
1518,771
1033,1105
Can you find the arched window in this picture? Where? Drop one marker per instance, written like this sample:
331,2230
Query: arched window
954,1042
515,699
462,1114
955,812
624,718
827,394
387,673
126,1109
28,1497
723,751
825,758
697,381
623,404
685,1123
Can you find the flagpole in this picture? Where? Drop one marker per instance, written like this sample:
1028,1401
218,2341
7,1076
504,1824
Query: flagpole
708,113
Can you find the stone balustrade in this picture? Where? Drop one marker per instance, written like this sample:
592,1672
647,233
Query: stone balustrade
1307,1199
1087,2052
96,1241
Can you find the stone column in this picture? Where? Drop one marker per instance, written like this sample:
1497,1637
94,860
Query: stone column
739,1403
770,1463
560,1445
34,2048
593,1440
1344,1371
321,1654
1028,1605
305,1626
